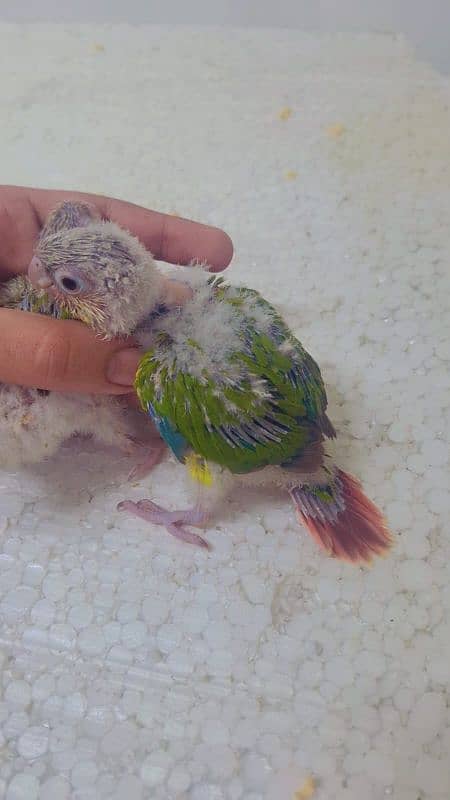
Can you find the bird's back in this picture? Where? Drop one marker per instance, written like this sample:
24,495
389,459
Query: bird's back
226,375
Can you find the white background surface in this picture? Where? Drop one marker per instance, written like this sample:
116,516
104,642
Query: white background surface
134,667
426,24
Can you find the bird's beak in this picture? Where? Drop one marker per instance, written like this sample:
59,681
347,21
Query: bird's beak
37,275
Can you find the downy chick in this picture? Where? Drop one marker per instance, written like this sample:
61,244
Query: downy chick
110,263
237,397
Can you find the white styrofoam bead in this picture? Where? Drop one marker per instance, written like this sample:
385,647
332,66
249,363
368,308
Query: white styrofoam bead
23,787
433,775
134,634
98,721
256,771
18,694
129,787
17,602
215,732
427,717
154,769
179,780
254,588
54,587
119,738
33,742
415,575
55,788
207,791
91,640
80,616
16,723
33,574
84,774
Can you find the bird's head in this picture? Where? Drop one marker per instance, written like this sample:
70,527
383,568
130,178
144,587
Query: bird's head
99,274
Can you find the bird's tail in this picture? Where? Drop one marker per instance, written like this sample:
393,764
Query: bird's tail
341,518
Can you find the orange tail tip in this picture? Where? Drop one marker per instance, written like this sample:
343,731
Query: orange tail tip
347,524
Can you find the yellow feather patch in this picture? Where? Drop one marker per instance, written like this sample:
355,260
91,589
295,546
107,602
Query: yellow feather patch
285,113
306,791
198,469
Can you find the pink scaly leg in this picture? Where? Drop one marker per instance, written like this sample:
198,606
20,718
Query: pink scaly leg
173,521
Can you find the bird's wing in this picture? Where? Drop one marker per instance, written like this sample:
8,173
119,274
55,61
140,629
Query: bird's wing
19,293
168,432
12,292
263,408
303,371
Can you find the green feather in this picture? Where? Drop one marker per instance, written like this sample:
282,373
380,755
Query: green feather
267,416
18,293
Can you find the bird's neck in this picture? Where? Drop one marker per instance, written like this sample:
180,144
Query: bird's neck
171,294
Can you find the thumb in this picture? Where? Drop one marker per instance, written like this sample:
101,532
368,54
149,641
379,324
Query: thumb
63,355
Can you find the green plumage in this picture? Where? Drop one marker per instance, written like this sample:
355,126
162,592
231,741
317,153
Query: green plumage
18,293
258,402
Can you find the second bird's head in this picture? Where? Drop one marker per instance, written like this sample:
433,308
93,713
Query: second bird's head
99,274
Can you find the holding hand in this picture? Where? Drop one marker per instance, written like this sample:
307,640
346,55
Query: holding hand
64,355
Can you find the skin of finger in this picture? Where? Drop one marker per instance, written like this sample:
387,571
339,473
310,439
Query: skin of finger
19,230
169,238
58,360
60,355
132,401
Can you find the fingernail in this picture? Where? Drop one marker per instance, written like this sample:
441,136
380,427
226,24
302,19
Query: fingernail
123,366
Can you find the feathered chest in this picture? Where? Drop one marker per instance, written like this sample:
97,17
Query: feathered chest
200,339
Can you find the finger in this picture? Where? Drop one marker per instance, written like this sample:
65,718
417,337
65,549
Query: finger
169,238
63,355
132,401
19,230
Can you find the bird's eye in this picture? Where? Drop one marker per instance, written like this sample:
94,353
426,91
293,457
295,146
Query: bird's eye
69,283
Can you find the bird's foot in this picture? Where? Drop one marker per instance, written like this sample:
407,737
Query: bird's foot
173,521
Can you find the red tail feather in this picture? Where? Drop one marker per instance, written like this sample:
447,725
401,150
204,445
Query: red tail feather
350,527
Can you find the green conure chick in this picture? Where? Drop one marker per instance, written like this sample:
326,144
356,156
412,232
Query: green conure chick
236,396
229,387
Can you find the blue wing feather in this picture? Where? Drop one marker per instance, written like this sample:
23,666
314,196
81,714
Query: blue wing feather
177,443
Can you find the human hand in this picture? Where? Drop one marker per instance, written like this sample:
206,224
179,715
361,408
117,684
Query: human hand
65,355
